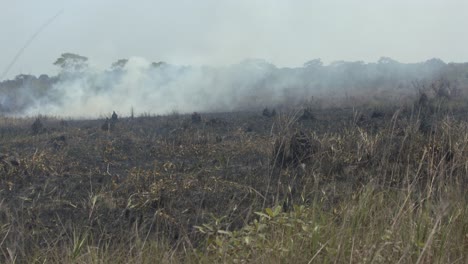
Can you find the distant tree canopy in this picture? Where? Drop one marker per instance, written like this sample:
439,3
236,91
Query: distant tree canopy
387,60
120,64
72,62
313,63
245,84
158,64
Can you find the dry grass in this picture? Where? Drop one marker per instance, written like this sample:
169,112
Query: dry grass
381,185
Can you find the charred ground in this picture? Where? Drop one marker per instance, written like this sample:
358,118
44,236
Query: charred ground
180,179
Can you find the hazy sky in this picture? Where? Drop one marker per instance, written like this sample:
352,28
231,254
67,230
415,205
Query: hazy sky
215,32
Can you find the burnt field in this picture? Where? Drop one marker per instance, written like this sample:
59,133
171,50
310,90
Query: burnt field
328,184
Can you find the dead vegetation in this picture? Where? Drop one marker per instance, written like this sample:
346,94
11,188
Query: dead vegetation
296,150
370,184
37,127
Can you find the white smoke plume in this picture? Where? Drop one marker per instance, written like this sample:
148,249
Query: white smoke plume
252,84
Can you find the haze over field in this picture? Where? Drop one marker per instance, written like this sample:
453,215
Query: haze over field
161,88
212,32
233,131
221,56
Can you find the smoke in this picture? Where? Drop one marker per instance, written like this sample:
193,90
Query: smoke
155,89
252,84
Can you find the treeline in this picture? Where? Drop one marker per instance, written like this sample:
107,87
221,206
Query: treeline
22,92
158,87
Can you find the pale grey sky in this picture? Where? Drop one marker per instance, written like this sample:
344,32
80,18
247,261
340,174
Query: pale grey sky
216,32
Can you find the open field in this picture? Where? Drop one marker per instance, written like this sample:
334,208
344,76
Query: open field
356,185
234,132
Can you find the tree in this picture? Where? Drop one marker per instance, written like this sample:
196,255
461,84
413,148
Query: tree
158,64
25,77
387,60
120,64
71,62
313,63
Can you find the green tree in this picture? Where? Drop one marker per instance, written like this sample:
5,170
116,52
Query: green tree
120,64
71,62
313,63
158,64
